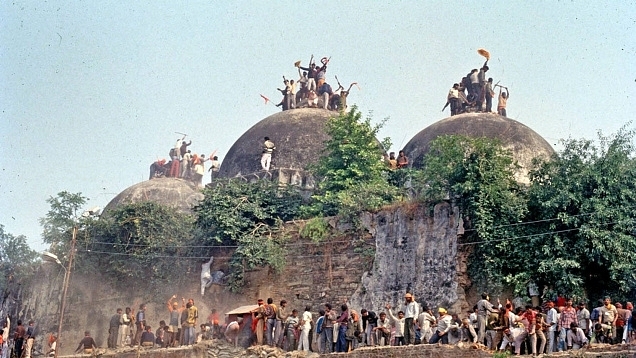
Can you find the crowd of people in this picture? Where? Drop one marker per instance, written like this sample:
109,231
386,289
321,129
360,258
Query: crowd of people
130,329
554,327
474,93
312,90
22,339
185,164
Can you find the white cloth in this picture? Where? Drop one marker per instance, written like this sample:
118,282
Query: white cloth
576,337
303,342
307,317
398,323
411,310
514,333
552,317
206,278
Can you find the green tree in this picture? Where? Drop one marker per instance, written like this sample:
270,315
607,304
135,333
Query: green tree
585,198
351,174
146,241
249,216
62,217
477,175
17,259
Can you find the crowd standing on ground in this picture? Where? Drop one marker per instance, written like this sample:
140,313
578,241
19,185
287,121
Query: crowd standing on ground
555,326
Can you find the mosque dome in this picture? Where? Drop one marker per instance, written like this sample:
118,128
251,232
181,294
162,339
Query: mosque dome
524,143
298,135
179,193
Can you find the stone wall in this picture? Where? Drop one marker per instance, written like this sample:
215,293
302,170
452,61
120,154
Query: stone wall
406,248
416,252
213,349
444,351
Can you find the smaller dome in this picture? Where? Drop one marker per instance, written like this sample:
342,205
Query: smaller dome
177,193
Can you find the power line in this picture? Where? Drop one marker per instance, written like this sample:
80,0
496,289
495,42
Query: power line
217,246
534,235
206,257
548,220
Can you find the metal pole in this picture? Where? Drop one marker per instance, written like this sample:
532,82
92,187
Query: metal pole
67,278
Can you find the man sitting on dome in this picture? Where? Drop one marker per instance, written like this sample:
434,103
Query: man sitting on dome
157,169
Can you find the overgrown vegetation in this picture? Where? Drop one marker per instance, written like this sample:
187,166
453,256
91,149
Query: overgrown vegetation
145,241
572,229
16,260
476,174
248,216
351,174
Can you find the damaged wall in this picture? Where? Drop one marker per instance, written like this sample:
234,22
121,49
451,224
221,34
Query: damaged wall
416,252
410,247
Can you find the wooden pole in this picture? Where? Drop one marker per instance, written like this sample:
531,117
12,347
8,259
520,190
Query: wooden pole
67,278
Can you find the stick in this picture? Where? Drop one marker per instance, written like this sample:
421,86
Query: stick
338,82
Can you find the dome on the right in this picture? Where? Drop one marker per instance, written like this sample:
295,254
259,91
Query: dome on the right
524,143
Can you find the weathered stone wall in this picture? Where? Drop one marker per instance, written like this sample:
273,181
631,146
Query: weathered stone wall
406,248
416,252
213,349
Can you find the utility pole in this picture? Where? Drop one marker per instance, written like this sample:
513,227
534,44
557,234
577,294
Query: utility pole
67,278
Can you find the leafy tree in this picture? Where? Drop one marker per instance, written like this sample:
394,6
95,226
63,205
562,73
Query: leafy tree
248,215
62,217
17,259
477,174
144,240
585,197
351,174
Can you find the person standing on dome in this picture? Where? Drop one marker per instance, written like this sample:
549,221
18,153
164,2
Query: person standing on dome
503,100
490,93
215,165
186,158
312,70
268,149
325,91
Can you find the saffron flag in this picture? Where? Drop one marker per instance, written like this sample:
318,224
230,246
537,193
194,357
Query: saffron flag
266,99
484,53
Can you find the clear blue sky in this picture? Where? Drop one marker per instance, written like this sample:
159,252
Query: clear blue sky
92,92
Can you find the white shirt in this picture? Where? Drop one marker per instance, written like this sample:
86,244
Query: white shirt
411,310
399,324
306,321
552,318
205,268
576,336
424,321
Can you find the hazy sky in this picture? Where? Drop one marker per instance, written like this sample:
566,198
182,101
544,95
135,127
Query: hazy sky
92,92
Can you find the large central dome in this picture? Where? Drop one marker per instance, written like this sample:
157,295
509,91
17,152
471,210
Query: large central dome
298,135
524,143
